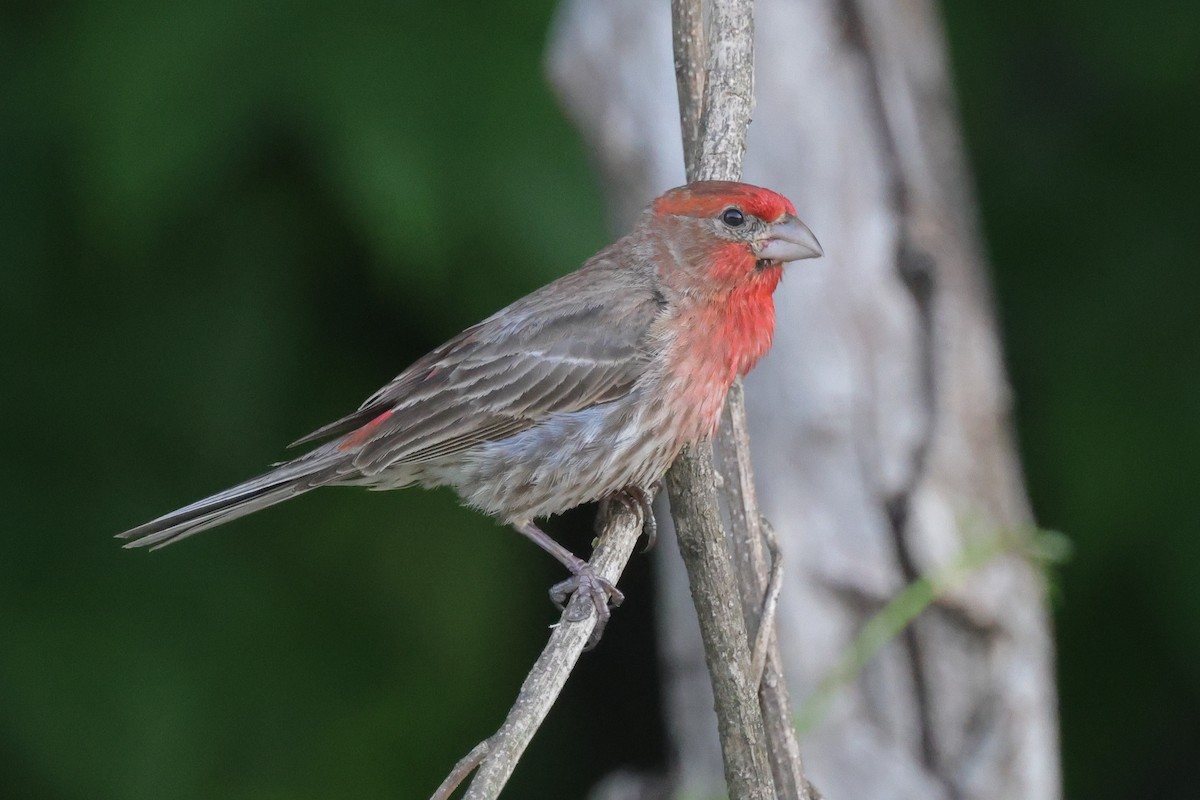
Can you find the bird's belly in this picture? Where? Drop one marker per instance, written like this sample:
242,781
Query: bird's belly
564,461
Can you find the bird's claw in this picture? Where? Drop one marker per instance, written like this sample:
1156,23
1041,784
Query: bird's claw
600,592
637,501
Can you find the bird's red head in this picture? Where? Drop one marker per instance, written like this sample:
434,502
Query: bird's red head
734,233
709,198
718,249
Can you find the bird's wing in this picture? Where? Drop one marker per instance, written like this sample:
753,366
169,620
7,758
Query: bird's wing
582,340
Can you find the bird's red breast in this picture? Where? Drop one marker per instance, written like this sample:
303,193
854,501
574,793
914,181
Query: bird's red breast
724,337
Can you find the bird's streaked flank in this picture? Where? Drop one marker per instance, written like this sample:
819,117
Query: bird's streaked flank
584,390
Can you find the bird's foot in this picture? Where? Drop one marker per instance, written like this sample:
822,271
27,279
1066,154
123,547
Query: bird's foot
600,592
637,501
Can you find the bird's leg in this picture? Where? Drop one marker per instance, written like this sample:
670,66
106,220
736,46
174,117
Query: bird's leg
583,579
638,501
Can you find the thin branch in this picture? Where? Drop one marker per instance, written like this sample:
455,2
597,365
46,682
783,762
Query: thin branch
691,52
497,756
758,562
724,116
764,637
722,626
715,78
465,766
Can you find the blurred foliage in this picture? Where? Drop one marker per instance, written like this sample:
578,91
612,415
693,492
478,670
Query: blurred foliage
223,224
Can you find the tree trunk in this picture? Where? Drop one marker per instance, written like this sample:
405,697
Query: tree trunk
879,421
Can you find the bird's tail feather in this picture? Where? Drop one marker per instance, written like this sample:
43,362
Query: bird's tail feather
283,483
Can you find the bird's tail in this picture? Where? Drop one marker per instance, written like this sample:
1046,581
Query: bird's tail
282,483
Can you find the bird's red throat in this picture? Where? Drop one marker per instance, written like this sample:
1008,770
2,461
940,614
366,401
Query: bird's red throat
724,337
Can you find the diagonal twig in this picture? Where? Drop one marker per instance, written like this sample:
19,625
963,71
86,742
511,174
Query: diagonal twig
495,758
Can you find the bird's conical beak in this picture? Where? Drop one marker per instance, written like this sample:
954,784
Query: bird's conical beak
789,239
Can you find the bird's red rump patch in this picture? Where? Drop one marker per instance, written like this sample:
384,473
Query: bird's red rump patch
364,433
709,198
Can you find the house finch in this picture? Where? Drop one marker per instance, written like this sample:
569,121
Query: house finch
584,390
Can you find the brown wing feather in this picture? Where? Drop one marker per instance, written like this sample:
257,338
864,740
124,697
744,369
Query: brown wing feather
572,344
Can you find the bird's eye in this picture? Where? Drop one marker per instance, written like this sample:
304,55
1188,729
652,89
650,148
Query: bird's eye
733,217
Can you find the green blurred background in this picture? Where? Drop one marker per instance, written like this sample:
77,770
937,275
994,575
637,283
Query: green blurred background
223,224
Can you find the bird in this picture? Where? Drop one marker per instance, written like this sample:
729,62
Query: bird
584,390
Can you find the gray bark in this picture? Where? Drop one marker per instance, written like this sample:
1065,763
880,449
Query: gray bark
880,419
713,45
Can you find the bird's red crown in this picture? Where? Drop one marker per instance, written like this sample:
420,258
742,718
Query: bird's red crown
709,198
